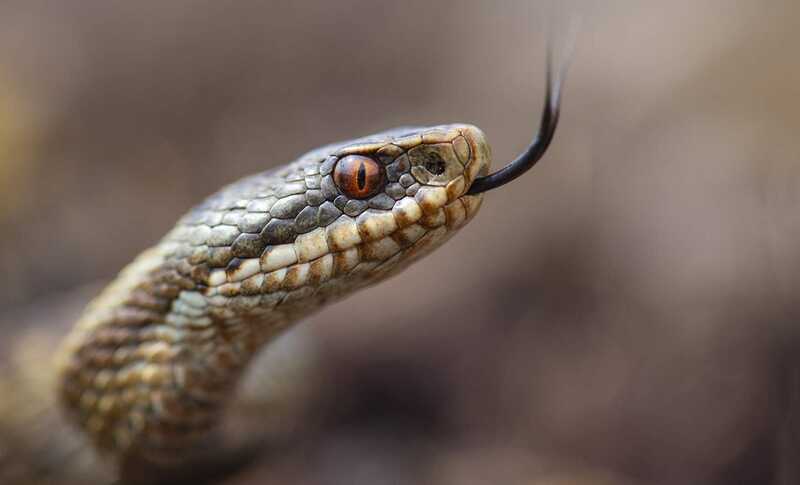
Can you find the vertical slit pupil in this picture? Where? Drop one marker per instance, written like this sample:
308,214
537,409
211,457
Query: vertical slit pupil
361,177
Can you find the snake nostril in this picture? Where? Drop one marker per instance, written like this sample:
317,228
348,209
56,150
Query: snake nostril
435,164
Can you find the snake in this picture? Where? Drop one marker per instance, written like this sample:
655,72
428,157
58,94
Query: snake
145,378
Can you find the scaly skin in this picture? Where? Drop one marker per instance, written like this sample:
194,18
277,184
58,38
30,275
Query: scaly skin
148,370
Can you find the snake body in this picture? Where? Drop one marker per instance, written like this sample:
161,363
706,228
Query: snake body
149,369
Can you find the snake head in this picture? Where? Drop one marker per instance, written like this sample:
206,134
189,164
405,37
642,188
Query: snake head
396,195
421,174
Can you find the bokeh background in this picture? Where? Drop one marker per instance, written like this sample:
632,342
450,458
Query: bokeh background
627,313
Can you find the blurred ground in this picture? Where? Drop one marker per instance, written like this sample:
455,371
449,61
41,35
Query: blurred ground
625,314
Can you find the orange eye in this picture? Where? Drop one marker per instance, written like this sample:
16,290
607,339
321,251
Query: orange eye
358,177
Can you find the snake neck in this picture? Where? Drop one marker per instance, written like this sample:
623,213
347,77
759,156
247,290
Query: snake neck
147,369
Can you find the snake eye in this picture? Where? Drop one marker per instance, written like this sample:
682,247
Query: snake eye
358,177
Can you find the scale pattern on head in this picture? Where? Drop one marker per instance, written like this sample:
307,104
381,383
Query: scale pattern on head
148,368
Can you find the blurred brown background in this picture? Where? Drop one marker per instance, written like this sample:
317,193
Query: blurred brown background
624,314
